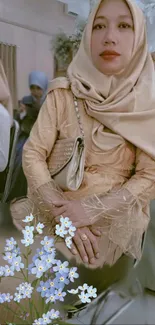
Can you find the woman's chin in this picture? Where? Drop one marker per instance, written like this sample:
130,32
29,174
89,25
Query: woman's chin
111,70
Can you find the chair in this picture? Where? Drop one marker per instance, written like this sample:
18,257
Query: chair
117,301
6,175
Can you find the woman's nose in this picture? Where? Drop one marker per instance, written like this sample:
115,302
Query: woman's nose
110,37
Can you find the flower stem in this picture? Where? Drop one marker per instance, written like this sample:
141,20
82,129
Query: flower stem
35,308
27,263
20,306
43,305
14,313
25,278
30,308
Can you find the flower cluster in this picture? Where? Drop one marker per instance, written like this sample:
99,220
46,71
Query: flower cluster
13,258
50,274
86,293
44,258
23,291
66,230
52,289
47,318
5,297
29,233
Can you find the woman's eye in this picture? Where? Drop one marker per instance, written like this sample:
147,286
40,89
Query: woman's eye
97,27
124,25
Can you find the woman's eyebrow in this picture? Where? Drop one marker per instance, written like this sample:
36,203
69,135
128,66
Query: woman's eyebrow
121,16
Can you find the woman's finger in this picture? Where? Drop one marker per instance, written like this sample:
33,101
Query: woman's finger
73,250
89,249
96,231
95,246
80,247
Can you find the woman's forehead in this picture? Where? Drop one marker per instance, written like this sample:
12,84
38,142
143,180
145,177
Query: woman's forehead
113,8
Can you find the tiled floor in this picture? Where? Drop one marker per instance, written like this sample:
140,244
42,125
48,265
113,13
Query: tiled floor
141,311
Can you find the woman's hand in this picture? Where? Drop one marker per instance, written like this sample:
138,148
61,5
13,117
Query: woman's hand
73,210
86,243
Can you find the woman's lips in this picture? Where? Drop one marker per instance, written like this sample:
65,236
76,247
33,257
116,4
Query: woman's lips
109,55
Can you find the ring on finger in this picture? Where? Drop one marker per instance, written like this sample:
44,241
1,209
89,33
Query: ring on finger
84,237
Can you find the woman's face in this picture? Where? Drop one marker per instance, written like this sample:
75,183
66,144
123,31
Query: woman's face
36,91
112,37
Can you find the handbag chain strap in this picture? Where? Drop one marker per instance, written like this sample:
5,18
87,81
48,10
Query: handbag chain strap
78,116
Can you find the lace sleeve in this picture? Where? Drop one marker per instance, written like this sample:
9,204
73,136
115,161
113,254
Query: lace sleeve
123,213
42,188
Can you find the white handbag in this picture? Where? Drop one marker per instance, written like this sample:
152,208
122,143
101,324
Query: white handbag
67,161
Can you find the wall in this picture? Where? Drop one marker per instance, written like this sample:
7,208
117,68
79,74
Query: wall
30,24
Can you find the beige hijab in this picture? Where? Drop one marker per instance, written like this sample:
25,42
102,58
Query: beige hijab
5,97
124,103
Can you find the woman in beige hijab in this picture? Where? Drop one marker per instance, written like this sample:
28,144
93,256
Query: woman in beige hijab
113,79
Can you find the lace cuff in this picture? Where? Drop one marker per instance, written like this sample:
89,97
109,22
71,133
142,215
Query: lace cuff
120,217
44,196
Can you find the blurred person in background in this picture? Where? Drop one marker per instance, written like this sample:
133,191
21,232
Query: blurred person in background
30,105
29,108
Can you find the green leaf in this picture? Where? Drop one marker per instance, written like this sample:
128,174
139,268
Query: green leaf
69,307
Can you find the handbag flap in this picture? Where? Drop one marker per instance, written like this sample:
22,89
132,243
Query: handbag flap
62,153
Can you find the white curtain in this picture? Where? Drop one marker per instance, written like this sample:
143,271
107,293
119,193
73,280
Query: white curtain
8,56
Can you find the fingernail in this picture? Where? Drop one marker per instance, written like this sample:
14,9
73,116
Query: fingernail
85,259
97,255
92,261
74,251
